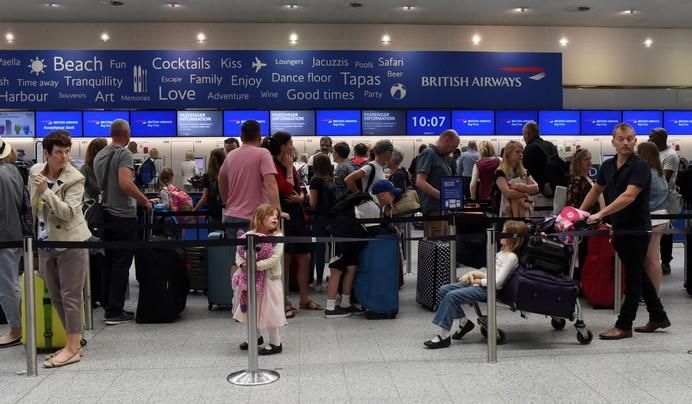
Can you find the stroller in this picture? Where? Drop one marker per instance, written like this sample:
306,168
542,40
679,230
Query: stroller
544,281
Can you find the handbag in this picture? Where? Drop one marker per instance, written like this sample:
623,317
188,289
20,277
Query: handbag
26,217
408,203
674,201
93,209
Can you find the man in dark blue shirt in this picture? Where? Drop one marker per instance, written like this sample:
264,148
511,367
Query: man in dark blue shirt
626,180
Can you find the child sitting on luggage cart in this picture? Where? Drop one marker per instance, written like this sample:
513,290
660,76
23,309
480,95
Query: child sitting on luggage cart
454,296
270,303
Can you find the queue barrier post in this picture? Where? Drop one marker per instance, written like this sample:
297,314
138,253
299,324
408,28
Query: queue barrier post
491,248
30,309
409,247
252,376
452,249
685,246
617,299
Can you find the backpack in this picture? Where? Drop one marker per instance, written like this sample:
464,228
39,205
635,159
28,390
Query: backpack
371,177
178,200
346,205
145,173
684,183
555,173
495,198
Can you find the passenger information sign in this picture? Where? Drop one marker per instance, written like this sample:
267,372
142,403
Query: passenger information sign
50,79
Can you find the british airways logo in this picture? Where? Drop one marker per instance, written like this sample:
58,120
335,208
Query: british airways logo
515,80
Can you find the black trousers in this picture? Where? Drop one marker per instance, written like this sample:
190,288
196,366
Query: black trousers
632,250
666,249
116,272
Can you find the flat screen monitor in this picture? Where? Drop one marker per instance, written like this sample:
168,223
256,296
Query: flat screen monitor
200,163
233,120
17,124
98,123
599,122
49,121
678,122
559,122
338,122
425,122
200,123
512,122
153,123
473,122
643,121
384,123
297,123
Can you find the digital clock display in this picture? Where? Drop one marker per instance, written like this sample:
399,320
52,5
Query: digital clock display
427,122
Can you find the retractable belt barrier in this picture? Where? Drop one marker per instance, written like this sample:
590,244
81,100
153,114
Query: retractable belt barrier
253,375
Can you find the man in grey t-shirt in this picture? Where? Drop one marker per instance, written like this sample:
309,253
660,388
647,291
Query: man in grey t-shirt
120,198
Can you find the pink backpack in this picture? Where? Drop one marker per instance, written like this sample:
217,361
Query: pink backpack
178,200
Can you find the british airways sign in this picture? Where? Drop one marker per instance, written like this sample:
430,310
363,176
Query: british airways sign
246,79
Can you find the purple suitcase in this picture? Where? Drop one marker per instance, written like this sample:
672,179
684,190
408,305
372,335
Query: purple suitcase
541,293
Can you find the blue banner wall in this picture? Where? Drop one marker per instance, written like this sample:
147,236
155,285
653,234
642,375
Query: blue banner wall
279,79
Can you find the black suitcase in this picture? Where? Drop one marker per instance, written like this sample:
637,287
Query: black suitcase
433,272
163,284
546,254
196,263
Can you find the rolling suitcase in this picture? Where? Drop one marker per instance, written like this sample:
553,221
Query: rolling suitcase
541,292
219,290
163,283
433,272
196,265
377,279
50,332
598,273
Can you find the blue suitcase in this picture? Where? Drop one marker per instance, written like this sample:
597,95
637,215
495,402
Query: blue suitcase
377,280
219,290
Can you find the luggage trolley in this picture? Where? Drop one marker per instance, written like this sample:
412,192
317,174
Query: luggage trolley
531,271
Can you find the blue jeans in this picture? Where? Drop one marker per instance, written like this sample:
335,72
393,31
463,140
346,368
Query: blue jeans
9,285
235,224
452,298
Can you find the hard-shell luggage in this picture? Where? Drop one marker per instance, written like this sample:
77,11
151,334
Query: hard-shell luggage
50,332
688,269
598,275
541,292
196,265
377,279
433,272
546,254
163,284
219,290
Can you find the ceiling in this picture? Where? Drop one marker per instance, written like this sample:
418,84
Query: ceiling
603,13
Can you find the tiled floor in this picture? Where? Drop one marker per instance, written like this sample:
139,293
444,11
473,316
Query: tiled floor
360,361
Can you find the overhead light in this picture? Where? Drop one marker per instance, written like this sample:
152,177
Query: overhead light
386,39
173,4
631,11
521,10
52,4
648,42
201,37
9,37
291,6
476,39
409,8
293,38
563,41
105,37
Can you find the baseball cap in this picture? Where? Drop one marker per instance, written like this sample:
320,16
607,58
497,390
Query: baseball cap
386,186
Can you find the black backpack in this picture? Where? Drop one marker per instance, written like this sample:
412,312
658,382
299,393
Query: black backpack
684,183
555,172
345,206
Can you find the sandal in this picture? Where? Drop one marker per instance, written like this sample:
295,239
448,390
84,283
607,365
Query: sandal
310,305
290,310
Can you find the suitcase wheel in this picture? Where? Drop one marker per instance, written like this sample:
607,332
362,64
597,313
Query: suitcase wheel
500,335
211,306
82,342
585,340
558,323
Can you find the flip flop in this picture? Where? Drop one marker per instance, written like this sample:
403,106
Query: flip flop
310,305
14,342
290,311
